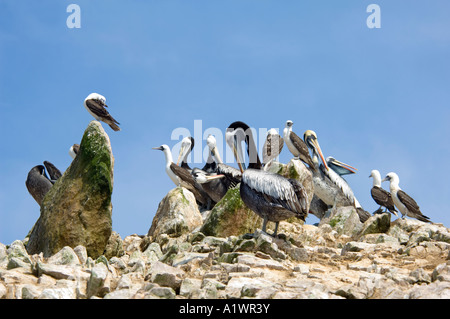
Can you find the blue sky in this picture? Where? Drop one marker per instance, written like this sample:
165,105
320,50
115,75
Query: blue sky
377,98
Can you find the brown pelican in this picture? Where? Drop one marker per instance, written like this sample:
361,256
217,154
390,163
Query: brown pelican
339,167
296,145
95,105
405,204
272,146
379,195
38,184
329,186
271,196
73,151
182,177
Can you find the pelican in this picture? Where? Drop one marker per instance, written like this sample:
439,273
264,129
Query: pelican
73,150
53,172
187,144
211,183
95,105
271,196
37,183
296,145
405,204
329,186
379,195
182,177
272,146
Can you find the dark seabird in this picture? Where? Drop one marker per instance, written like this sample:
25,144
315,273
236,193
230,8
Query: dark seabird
182,177
296,145
73,151
38,183
271,196
381,196
405,203
95,104
53,172
272,146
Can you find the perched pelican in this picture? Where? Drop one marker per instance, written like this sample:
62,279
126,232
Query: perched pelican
38,184
329,186
272,146
53,172
187,144
379,195
211,183
271,196
296,145
95,105
182,177
405,204
73,151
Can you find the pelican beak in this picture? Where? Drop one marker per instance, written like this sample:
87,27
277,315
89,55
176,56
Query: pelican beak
213,177
346,166
180,154
216,154
319,151
236,155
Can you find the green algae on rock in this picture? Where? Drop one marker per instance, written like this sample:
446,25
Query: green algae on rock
77,210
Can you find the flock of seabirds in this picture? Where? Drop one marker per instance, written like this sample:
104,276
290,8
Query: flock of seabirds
271,196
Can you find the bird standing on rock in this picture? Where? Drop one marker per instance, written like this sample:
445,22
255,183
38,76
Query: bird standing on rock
38,184
95,104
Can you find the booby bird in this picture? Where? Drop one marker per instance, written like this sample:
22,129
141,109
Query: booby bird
73,150
211,183
182,177
95,105
405,203
187,144
381,196
329,186
272,146
296,145
271,196
38,184
53,172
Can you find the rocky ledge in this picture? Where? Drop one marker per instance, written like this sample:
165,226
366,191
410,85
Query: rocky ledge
383,259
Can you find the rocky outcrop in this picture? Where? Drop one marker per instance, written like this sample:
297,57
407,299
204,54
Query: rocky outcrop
177,214
410,259
77,209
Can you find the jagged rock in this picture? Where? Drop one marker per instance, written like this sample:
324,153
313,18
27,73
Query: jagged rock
378,223
66,256
165,275
114,246
177,214
77,210
344,220
97,280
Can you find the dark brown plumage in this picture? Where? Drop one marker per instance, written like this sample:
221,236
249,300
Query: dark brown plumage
383,198
38,183
412,206
97,109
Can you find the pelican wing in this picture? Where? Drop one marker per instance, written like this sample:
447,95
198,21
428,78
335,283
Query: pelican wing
276,189
301,146
232,175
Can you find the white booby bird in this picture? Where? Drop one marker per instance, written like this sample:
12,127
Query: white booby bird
73,150
296,145
211,183
271,196
381,196
405,203
95,105
37,183
329,186
272,146
183,178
